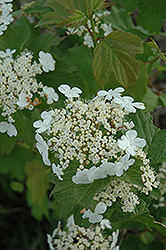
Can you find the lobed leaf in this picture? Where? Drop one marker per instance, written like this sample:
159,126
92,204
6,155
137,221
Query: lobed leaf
116,54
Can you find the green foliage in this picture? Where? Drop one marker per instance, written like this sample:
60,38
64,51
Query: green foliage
157,150
73,12
116,54
151,13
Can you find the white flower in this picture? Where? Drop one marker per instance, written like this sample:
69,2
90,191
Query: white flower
129,142
82,177
58,171
68,92
70,221
123,164
43,149
106,28
111,93
9,128
45,124
24,100
101,172
88,41
47,61
50,94
105,224
8,52
127,103
96,216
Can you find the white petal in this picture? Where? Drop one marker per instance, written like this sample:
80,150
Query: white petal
95,218
4,127
64,88
102,93
70,221
100,208
139,105
140,142
12,130
131,135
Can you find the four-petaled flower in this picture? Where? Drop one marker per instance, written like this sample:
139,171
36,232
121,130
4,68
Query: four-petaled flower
24,100
105,224
123,164
116,93
96,216
45,124
68,92
82,177
130,143
127,103
50,94
47,61
9,128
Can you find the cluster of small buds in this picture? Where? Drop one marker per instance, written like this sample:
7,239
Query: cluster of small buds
5,17
161,176
87,30
119,189
148,177
82,238
18,83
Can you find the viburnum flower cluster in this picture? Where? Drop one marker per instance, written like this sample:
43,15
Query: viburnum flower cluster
80,238
87,30
96,136
5,16
18,84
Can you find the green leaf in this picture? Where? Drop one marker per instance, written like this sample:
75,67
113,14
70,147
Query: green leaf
138,90
83,63
163,99
43,43
149,221
37,181
14,163
116,54
133,174
157,150
38,7
144,126
68,194
151,100
73,12
7,143
24,127
151,13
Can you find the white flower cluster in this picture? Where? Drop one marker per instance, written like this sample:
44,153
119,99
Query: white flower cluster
85,131
119,189
18,84
161,176
82,238
5,17
87,30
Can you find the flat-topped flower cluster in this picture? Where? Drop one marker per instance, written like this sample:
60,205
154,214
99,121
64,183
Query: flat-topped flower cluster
96,134
18,84
80,238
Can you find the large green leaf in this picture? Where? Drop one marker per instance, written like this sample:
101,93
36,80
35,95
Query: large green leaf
151,13
157,150
138,90
68,194
116,54
7,143
83,63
